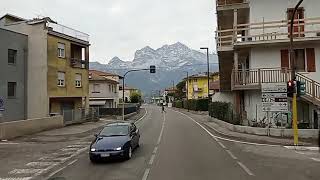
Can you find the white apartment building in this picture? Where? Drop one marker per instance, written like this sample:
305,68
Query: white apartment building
252,44
103,89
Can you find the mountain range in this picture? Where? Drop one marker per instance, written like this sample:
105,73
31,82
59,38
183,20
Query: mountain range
171,61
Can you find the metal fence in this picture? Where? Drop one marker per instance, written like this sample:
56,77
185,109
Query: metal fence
75,116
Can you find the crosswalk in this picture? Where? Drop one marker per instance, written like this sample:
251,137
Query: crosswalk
43,165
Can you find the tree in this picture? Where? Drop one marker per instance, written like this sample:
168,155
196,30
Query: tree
135,97
179,91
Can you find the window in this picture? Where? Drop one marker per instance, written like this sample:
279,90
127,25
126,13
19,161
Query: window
300,59
298,26
12,56
61,79
304,59
61,50
78,80
96,88
12,89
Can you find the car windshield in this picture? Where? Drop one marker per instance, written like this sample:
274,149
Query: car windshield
121,130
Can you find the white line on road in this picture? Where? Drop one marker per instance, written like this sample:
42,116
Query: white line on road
226,139
230,153
18,178
25,171
302,148
60,169
316,159
247,170
224,147
146,174
152,159
142,116
155,150
41,164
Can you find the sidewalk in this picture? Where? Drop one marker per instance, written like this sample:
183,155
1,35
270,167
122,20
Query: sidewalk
226,133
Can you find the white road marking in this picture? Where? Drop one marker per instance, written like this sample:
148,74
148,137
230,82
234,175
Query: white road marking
226,139
41,164
146,174
152,159
8,143
25,171
302,148
247,170
155,150
316,159
162,128
62,168
76,146
224,147
230,153
69,149
142,116
18,178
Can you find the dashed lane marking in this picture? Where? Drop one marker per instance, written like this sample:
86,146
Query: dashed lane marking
18,178
316,159
230,153
146,174
152,159
247,170
155,150
39,164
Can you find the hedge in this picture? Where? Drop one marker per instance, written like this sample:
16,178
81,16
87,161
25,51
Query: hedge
224,111
192,104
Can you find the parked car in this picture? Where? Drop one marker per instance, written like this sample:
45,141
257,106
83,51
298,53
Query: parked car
115,140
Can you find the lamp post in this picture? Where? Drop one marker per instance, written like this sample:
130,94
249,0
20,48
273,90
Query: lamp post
152,70
293,76
208,72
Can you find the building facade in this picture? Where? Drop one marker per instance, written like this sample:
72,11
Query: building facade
103,89
13,75
58,64
252,45
128,91
198,85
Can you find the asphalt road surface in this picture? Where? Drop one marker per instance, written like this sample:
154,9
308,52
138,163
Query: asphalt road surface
177,147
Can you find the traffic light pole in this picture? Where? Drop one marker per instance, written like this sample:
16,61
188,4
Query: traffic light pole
293,76
123,85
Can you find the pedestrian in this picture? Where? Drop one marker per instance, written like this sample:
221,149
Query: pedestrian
163,108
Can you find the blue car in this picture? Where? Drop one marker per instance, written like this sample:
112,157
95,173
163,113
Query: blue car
115,140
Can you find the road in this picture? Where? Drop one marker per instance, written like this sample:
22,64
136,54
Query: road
175,146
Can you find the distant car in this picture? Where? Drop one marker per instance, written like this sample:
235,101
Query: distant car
115,140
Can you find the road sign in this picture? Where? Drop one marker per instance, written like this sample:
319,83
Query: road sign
1,104
274,97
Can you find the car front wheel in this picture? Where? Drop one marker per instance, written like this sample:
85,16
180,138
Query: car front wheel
128,153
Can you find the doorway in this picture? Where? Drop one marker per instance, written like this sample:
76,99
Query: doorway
316,120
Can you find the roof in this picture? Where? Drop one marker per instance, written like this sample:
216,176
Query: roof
203,75
11,16
128,88
102,73
94,76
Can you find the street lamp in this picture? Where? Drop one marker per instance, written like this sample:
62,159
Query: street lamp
187,89
152,69
207,49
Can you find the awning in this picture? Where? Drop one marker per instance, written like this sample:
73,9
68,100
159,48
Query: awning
97,103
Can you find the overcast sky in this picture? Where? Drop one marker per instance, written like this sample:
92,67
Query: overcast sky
120,27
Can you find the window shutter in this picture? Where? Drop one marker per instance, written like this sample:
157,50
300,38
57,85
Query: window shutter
284,58
78,77
311,63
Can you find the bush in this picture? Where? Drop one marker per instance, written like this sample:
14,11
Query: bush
192,104
224,111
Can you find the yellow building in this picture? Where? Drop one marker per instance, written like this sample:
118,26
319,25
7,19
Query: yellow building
198,85
68,84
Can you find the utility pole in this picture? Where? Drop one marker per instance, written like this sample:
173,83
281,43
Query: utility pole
293,76
188,90
208,73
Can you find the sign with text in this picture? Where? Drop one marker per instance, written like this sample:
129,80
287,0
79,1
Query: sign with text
274,97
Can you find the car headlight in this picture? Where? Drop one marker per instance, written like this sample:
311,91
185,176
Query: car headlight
93,149
118,149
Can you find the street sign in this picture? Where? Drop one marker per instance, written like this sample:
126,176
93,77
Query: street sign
274,97
1,104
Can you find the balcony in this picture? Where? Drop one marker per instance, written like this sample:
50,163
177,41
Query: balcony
77,63
229,4
253,78
67,31
261,33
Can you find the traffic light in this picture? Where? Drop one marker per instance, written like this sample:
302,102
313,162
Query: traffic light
301,88
291,88
152,69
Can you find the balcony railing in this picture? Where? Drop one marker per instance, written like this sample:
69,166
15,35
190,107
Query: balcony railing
312,88
230,2
77,63
252,78
267,32
68,31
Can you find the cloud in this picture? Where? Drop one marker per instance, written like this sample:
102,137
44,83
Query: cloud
119,27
